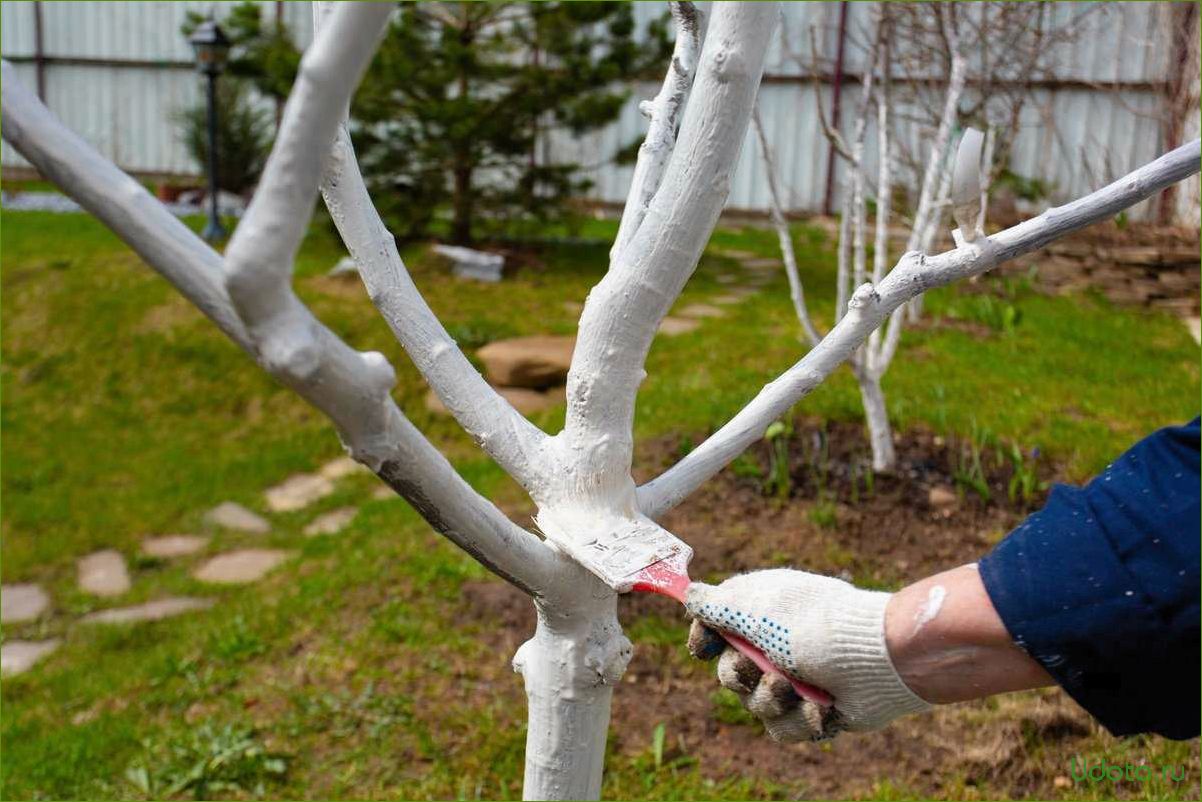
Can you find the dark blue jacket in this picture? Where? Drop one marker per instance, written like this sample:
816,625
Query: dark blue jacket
1101,587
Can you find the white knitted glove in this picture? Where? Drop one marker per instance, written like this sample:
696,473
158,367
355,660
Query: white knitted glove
820,630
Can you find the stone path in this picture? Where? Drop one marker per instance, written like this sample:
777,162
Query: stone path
332,522
240,566
103,574
297,492
21,603
701,310
150,611
341,467
106,574
231,515
673,326
169,546
17,656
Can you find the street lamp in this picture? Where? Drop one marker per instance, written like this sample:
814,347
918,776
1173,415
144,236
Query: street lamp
211,47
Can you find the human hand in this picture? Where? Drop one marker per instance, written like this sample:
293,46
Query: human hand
820,630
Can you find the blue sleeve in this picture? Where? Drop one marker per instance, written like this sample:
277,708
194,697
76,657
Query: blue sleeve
1101,587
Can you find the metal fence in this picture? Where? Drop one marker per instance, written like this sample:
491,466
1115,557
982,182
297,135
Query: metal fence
118,72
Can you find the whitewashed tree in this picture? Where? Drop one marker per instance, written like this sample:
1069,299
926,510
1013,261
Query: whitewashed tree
871,360
580,478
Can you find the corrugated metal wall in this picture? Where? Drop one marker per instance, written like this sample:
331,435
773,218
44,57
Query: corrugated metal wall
1098,124
117,73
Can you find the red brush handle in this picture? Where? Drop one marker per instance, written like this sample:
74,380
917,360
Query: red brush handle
671,579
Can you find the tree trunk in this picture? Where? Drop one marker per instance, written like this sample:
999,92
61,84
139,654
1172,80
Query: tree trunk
880,435
462,204
570,667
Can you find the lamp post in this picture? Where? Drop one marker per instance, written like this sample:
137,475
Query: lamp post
211,47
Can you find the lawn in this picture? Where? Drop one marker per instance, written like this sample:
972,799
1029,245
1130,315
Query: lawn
356,671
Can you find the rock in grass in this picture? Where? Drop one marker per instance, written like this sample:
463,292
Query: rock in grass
231,515
241,566
22,602
530,362
18,656
150,611
940,497
342,466
700,311
103,573
297,492
168,546
332,522
673,326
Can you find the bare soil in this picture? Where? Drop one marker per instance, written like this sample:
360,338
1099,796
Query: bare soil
1013,746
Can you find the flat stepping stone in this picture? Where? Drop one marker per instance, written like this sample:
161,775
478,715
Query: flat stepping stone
332,522
701,310
674,326
232,515
727,300
735,253
18,656
528,401
104,573
168,546
726,278
241,566
150,611
297,492
383,493
340,468
573,307
763,264
532,362
523,399
23,602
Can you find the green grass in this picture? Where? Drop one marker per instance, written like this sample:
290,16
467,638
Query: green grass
344,673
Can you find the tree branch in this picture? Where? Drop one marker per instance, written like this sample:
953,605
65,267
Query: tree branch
796,292
624,310
664,111
517,445
913,275
367,419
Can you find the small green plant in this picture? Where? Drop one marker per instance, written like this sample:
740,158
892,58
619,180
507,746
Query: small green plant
657,745
862,473
236,642
969,473
1024,482
824,513
997,314
778,483
207,762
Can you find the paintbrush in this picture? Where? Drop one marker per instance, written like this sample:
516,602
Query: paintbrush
636,554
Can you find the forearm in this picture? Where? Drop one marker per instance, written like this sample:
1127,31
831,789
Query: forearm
948,643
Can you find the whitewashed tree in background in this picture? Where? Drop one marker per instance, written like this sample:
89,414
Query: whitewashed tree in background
870,362
580,476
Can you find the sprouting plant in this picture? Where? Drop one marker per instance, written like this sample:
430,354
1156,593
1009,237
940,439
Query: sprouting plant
778,482
969,473
862,473
657,744
1024,482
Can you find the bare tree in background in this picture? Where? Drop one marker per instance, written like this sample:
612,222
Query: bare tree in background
580,478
